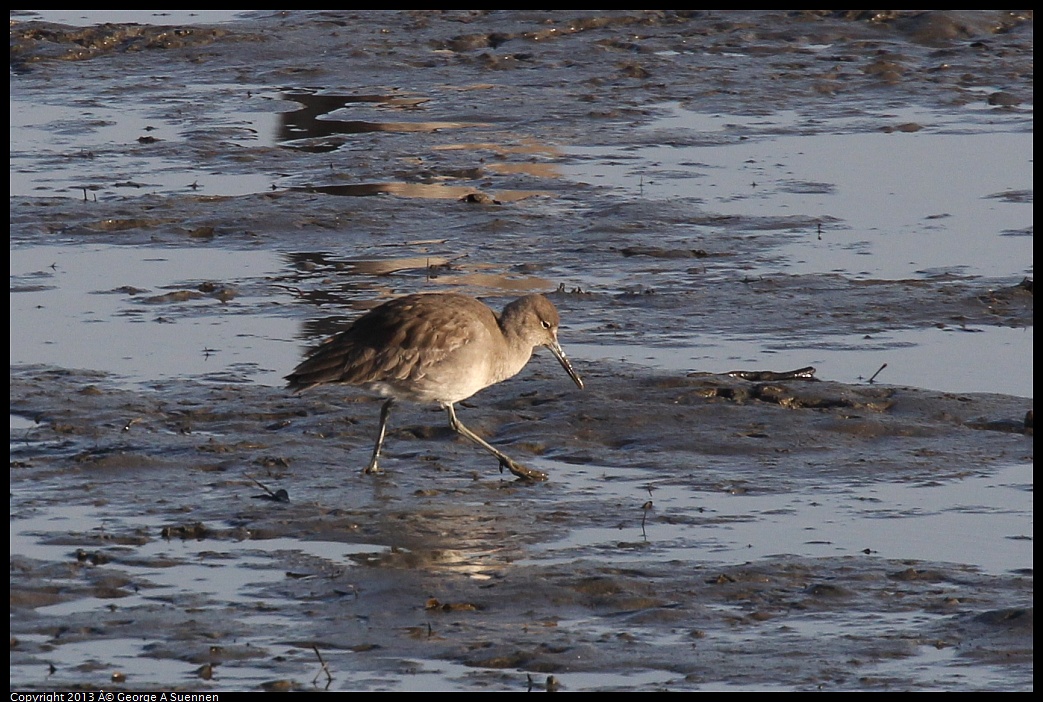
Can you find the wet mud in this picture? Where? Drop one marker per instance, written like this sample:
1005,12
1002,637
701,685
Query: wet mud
213,532
449,559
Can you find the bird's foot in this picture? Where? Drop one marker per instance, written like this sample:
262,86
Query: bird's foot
373,469
523,472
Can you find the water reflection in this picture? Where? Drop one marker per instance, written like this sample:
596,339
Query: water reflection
428,191
324,115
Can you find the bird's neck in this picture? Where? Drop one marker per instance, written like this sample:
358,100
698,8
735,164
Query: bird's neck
518,353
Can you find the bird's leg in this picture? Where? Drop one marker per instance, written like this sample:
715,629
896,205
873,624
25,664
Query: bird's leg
505,461
385,411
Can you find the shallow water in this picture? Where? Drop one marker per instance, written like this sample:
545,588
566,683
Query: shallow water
86,18
987,520
706,192
63,307
882,216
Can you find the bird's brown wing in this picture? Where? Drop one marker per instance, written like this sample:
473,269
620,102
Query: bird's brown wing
401,340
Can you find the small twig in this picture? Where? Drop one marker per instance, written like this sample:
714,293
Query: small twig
325,668
279,495
870,381
291,289
259,484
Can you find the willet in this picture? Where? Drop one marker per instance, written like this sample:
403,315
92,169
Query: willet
435,347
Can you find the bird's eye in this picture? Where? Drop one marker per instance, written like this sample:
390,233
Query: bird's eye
545,323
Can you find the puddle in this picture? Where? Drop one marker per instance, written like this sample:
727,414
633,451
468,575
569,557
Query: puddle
949,360
90,148
86,18
213,313
21,424
987,520
205,570
324,119
883,215
69,304
202,575
890,205
75,661
434,191
207,313
322,116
